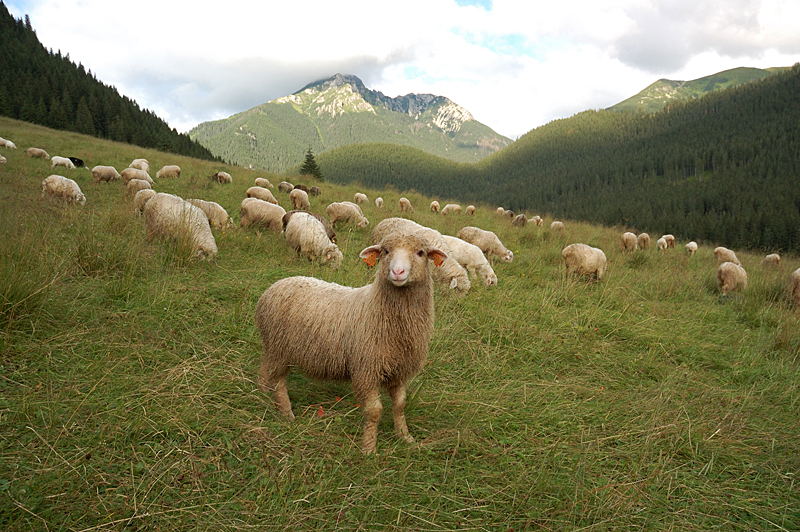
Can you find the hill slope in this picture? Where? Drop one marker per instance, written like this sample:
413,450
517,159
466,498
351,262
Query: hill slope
340,111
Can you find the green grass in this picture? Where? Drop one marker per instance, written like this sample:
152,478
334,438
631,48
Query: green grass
128,401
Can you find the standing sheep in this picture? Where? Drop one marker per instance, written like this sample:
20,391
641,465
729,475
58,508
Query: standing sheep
643,240
538,220
629,242
8,144
61,161
299,199
261,193
135,173
520,220
435,206
725,255
360,198
487,241
772,259
375,336
472,259
314,191
306,235
261,214
61,187
405,205
661,244
3,160
285,186
169,216
731,277
222,178
135,185
581,259
509,214
670,240
141,198
324,221
794,288
557,227
346,211
500,211
264,183
172,171
470,210
379,203
37,152
140,164
453,208
691,248
216,213
105,173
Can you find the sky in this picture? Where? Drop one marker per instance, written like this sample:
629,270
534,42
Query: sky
514,64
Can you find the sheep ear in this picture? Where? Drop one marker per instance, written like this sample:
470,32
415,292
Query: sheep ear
437,256
371,254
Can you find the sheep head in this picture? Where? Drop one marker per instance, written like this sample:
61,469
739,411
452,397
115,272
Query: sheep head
404,258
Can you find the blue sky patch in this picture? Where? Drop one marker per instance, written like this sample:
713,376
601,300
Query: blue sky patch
485,4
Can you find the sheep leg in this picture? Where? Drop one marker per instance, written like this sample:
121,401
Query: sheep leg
373,409
398,394
272,381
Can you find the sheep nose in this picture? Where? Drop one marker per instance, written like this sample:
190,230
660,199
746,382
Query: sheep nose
398,272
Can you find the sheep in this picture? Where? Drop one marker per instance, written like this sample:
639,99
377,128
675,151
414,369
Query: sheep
360,198
169,216
794,287
629,242
261,214
135,173
172,171
509,214
61,161
140,164
299,199
519,220
487,241
470,210
670,240
285,186
141,198
346,211
453,208
216,213
731,277
8,144
405,205
379,203
261,193
500,211
557,227
3,160
135,185
581,259
324,221
435,206
538,221
772,259
643,240
691,248
61,187
37,152
661,244
264,183
472,259
306,235
105,173
375,336
451,273
301,187
222,178
314,191
77,162
725,255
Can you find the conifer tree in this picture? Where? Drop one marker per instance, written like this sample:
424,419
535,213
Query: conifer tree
310,167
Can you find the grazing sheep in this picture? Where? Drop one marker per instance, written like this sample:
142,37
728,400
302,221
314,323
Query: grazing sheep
453,208
794,287
670,240
222,178
629,242
301,187
661,244
346,211
519,220
314,191
77,162
538,220
731,277
379,203
172,171
141,198
306,235
61,187
140,164
324,221
772,259
135,173
470,210
216,213
691,248
375,336
3,160
285,186
169,216
105,173
405,205
509,214
557,227
725,255
261,213
135,185
643,240
472,259
487,241
264,183
61,161
435,206
37,152
450,273
581,259
299,199
501,211
8,144
261,193
360,198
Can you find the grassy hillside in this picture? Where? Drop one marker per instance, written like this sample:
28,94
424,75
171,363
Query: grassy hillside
128,400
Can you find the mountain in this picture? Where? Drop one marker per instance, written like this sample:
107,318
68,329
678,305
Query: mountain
656,96
338,111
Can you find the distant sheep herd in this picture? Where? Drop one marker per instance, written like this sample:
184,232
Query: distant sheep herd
394,311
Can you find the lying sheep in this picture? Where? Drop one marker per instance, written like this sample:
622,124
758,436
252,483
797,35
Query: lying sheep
306,235
450,273
222,178
285,186
105,173
405,205
140,164
725,255
581,259
470,210
379,203
661,244
691,248
794,287
670,240
141,198
264,183
261,193
37,152
731,277
135,173
299,199
435,206
360,198
324,221
260,213
170,171
375,336
216,213
314,191
169,216
520,220
135,185
487,241
61,161
629,242
451,208
773,259
346,211
472,259
643,240
57,186
557,227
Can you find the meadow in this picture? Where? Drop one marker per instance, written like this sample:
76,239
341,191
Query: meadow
128,398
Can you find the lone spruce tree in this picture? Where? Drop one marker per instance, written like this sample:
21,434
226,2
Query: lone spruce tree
310,166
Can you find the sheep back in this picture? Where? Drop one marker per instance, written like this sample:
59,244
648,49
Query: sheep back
105,173
581,259
487,241
345,211
405,205
261,193
307,236
172,171
37,152
61,187
260,213
169,216
629,242
263,182
324,221
135,173
731,277
216,213
723,254
643,240
141,198
299,199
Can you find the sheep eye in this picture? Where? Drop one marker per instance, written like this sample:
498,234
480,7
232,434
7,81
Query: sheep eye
420,253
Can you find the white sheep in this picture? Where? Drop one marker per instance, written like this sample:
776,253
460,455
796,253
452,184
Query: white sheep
520,220
723,254
379,202
171,217
581,259
360,198
285,186
307,235
141,198
794,287
260,213
500,211
487,241
346,211
472,259
629,242
8,144
451,208
135,185
691,248
731,277
661,244
324,221
405,205
537,220
105,173
222,178
557,227
61,187
470,210
216,213
264,183
135,173
261,193
643,240
299,199
3,160
172,171
61,161
670,240
37,152
509,214
140,164
435,206
314,191
773,259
